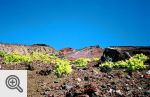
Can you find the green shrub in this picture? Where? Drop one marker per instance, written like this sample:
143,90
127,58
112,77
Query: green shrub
121,64
134,63
62,67
16,58
40,57
46,58
2,53
94,59
107,64
140,57
81,62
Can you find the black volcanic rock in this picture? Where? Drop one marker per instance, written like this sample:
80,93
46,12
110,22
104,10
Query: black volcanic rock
114,55
117,53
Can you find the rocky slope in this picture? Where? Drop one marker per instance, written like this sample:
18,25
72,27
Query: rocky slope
88,52
25,49
82,82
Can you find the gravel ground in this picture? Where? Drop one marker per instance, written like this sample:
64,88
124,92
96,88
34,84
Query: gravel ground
83,82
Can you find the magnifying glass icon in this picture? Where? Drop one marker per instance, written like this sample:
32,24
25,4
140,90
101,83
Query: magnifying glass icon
13,82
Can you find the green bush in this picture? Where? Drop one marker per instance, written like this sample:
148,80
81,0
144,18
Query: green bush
62,67
134,63
121,64
19,58
108,64
2,53
16,58
81,62
140,57
40,57
94,59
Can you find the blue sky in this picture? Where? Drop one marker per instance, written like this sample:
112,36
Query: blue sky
75,23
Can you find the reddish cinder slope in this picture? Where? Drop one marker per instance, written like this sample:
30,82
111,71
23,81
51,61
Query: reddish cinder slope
89,52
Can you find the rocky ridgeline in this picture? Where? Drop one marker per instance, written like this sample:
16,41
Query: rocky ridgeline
88,52
114,52
123,52
133,49
25,49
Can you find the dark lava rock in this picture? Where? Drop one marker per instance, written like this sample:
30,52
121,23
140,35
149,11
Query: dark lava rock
45,72
86,78
40,45
147,92
106,69
114,55
28,66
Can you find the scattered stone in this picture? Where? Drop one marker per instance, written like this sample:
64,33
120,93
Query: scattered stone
140,88
86,78
128,77
45,72
44,93
50,95
95,71
110,90
66,86
142,76
106,69
55,81
79,80
119,92
127,88
104,86
148,72
147,92
84,95
147,75
28,66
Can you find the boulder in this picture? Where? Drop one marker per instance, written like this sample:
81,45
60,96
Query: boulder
114,55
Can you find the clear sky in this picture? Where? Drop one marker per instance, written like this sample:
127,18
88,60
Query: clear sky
75,23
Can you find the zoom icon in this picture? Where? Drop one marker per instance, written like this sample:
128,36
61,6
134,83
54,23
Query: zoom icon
13,82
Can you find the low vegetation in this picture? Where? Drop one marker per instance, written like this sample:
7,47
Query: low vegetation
134,63
81,62
62,67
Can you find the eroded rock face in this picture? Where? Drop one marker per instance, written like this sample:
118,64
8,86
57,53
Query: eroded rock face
24,49
89,52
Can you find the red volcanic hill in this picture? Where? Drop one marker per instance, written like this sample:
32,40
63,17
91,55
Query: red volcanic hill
88,52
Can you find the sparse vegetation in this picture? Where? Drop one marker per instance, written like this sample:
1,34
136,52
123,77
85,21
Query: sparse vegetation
134,63
19,58
62,67
16,58
2,53
81,62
